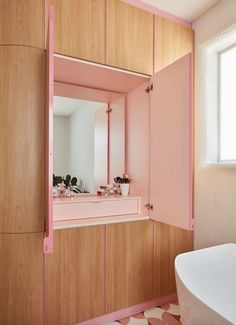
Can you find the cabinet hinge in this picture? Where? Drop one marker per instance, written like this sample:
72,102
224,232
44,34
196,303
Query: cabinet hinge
149,206
109,110
149,88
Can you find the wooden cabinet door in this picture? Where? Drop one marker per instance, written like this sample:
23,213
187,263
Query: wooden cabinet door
171,157
129,33
21,276
80,28
169,241
172,41
75,276
21,22
129,262
22,139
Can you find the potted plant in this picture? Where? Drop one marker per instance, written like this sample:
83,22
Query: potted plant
123,182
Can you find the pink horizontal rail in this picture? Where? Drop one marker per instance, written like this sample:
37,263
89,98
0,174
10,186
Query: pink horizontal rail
111,317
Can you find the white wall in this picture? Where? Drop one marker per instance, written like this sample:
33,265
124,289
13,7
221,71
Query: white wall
215,186
61,145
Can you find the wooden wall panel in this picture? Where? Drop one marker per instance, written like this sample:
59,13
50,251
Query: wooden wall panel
129,37
172,41
21,22
22,139
74,276
169,242
21,278
80,28
129,258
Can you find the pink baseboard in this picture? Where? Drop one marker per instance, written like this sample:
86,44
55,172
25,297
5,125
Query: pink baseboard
158,12
126,312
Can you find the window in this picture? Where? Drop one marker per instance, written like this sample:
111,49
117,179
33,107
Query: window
227,105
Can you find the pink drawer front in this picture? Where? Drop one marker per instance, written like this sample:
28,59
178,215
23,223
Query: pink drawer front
97,208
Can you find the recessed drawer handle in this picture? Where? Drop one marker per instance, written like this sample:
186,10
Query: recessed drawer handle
95,202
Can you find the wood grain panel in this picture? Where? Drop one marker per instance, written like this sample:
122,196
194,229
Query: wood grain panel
21,22
129,37
21,276
129,258
172,41
169,242
80,28
74,276
22,139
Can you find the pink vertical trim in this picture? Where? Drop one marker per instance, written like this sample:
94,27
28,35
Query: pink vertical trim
123,313
48,236
126,140
108,144
191,161
144,6
154,252
106,277
44,292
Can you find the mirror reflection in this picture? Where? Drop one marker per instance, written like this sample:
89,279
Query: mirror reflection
80,143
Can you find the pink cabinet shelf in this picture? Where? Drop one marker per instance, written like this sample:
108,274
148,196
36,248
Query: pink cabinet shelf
84,207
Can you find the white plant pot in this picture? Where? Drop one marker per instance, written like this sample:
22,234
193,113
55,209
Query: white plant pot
124,189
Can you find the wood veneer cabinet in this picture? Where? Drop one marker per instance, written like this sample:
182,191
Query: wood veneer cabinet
172,41
21,275
130,261
129,37
21,139
80,28
21,22
75,276
169,241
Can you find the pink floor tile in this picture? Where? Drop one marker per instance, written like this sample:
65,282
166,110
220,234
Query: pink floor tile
167,314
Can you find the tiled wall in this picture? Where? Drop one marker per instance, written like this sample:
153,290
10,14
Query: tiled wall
215,186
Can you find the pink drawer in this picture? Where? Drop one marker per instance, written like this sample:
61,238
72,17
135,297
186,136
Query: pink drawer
95,208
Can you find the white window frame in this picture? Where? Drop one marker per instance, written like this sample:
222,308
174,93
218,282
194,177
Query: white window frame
220,53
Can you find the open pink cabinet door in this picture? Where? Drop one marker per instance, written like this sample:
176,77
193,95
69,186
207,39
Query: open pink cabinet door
48,235
171,158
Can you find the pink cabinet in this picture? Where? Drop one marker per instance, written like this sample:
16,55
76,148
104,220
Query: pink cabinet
171,163
157,134
159,141
93,207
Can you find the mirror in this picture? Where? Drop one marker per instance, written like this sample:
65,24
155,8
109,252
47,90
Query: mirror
80,142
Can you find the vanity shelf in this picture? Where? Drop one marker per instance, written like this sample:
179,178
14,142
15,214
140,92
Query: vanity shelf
84,207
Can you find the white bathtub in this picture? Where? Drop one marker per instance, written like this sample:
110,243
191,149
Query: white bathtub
206,285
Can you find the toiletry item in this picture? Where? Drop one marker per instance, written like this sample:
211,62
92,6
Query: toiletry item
124,189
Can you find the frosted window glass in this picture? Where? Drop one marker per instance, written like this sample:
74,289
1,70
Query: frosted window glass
227,105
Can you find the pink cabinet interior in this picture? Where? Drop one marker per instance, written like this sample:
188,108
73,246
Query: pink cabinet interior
84,208
116,138
137,143
100,146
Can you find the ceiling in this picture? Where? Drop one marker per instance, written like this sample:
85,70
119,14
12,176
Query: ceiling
65,106
185,9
